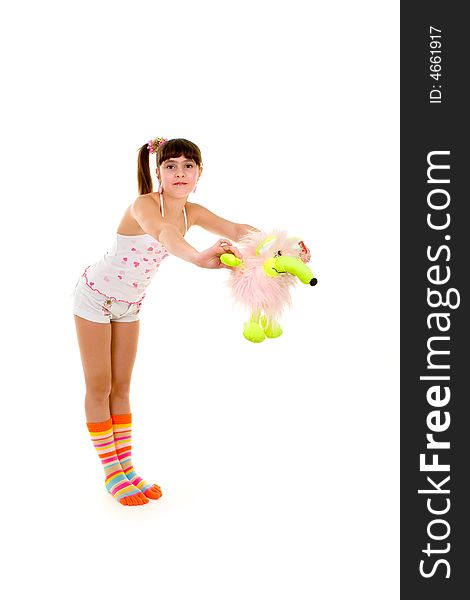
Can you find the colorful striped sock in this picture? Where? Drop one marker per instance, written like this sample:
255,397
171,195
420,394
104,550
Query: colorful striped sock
122,426
116,482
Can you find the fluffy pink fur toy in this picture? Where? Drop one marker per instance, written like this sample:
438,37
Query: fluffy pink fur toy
271,264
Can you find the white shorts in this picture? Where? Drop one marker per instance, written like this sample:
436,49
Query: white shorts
96,307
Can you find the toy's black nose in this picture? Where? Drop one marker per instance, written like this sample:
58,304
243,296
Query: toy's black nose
313,281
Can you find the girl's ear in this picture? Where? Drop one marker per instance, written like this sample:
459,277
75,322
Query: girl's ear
266,245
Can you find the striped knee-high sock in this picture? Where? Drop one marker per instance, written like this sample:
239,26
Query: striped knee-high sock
116,481
122,426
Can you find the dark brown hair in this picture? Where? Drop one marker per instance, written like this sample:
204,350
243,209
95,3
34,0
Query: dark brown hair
171,149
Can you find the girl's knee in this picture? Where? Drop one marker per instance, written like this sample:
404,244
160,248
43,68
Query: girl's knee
98,392
120,391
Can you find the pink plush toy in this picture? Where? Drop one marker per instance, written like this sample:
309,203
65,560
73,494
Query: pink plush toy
272,263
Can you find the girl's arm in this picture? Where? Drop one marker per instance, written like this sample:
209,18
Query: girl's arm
215,224
146,213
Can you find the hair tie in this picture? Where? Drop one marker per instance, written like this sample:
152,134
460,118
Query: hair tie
154,144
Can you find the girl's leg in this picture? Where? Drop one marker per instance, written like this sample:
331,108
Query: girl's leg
94,340
124,341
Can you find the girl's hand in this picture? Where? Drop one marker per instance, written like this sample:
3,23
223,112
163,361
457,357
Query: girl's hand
209,259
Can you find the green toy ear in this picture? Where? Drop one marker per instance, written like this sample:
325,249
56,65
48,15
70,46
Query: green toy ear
266,245
230,259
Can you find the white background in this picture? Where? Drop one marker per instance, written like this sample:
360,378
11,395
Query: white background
278,461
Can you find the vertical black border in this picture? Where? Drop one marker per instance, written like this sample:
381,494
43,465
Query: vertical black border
425,128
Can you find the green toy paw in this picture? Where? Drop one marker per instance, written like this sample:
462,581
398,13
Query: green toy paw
273,329
230,259
253,332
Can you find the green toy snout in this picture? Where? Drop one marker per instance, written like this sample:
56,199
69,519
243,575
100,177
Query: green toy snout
274,266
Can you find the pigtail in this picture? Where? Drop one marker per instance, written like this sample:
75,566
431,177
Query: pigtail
144,178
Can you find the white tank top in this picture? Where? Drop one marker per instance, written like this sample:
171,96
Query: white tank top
126,270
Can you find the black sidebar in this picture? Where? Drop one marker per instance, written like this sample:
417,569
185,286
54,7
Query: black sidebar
435,269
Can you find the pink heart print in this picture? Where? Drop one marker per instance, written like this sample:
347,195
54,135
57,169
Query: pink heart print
150,249
146,259
134,284
92,283
136,264
120,276
125,259
133,249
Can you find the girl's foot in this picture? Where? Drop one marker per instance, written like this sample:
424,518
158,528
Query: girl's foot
116,482
152,491
122,427
120,488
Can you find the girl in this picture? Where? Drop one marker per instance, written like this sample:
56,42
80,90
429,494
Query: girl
109,295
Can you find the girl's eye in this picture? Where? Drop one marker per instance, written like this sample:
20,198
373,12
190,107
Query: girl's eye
172,166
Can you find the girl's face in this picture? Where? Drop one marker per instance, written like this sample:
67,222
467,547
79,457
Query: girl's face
178,176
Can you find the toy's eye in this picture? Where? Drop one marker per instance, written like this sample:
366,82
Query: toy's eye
266,245
278,253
